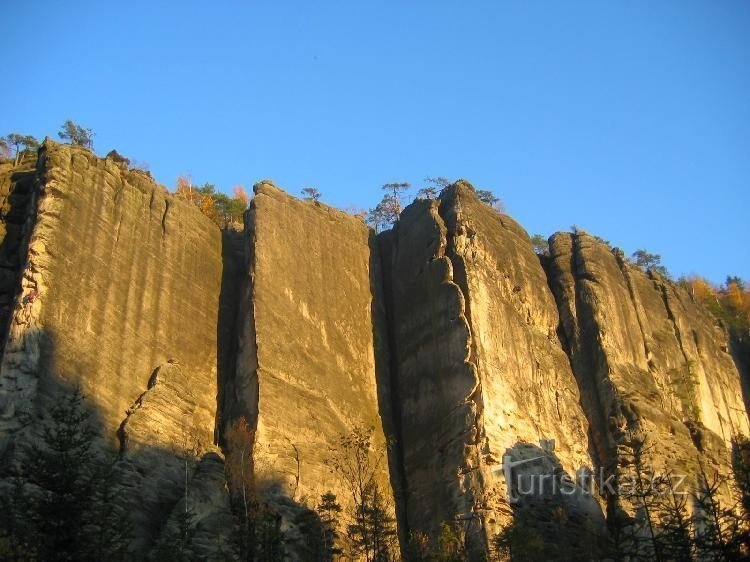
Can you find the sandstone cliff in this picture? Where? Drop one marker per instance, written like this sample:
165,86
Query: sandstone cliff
650,362
481,374
307,355
124,280
477,365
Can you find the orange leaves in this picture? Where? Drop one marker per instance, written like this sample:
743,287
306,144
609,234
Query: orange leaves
239,463
239,194
701,289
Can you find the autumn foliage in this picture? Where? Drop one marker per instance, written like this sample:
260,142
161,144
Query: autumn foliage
223,210
730,301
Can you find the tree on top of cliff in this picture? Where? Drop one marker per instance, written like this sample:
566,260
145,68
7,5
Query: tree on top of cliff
20,143
219,207
486,196
77,135
385,214
649,261
434,186
541,245
311,194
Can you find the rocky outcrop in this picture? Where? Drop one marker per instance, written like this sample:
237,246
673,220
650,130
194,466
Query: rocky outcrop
307,354
17,212
120,277
651,363
479,369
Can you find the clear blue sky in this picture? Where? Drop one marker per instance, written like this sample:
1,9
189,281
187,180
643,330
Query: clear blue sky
629,119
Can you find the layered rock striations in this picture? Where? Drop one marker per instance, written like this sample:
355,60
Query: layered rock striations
308,349
476,366
652,364
480,373
117,295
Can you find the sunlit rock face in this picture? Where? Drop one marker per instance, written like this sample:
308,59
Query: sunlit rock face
650,361
309,345
489,377
117,294
479,367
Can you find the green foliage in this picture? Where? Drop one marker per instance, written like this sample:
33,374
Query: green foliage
721,531
741,471
541,245
62,504
522,541
685,386
20,143
649,262
174,543
76,135
311,194
222,209
372,532
329,511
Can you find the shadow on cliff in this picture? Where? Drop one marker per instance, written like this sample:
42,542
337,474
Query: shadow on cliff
555,515
15,214
151,484
739,347
234,272
385,369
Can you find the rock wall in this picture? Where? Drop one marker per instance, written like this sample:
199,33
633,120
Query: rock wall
474,363
651,363
17,204
481,374
307,353
121,280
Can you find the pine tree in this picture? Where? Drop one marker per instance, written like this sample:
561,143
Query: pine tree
373,532
329,512
77,135
60,465
719,527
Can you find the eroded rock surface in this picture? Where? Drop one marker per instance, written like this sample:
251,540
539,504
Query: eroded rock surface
307,353
479,368
120,278
650,361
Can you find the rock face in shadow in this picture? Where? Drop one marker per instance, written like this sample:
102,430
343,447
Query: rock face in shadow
307,353
478,364
650,361
118,295
17,212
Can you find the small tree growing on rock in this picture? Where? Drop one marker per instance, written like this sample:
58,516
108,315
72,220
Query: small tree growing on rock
648,261
20,143
311,194
76,135
541,245
486,196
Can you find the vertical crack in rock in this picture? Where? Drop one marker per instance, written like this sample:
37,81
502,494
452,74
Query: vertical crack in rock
107,291
637,371
636,304
308,360
478,439
164,219
382,250
24,340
